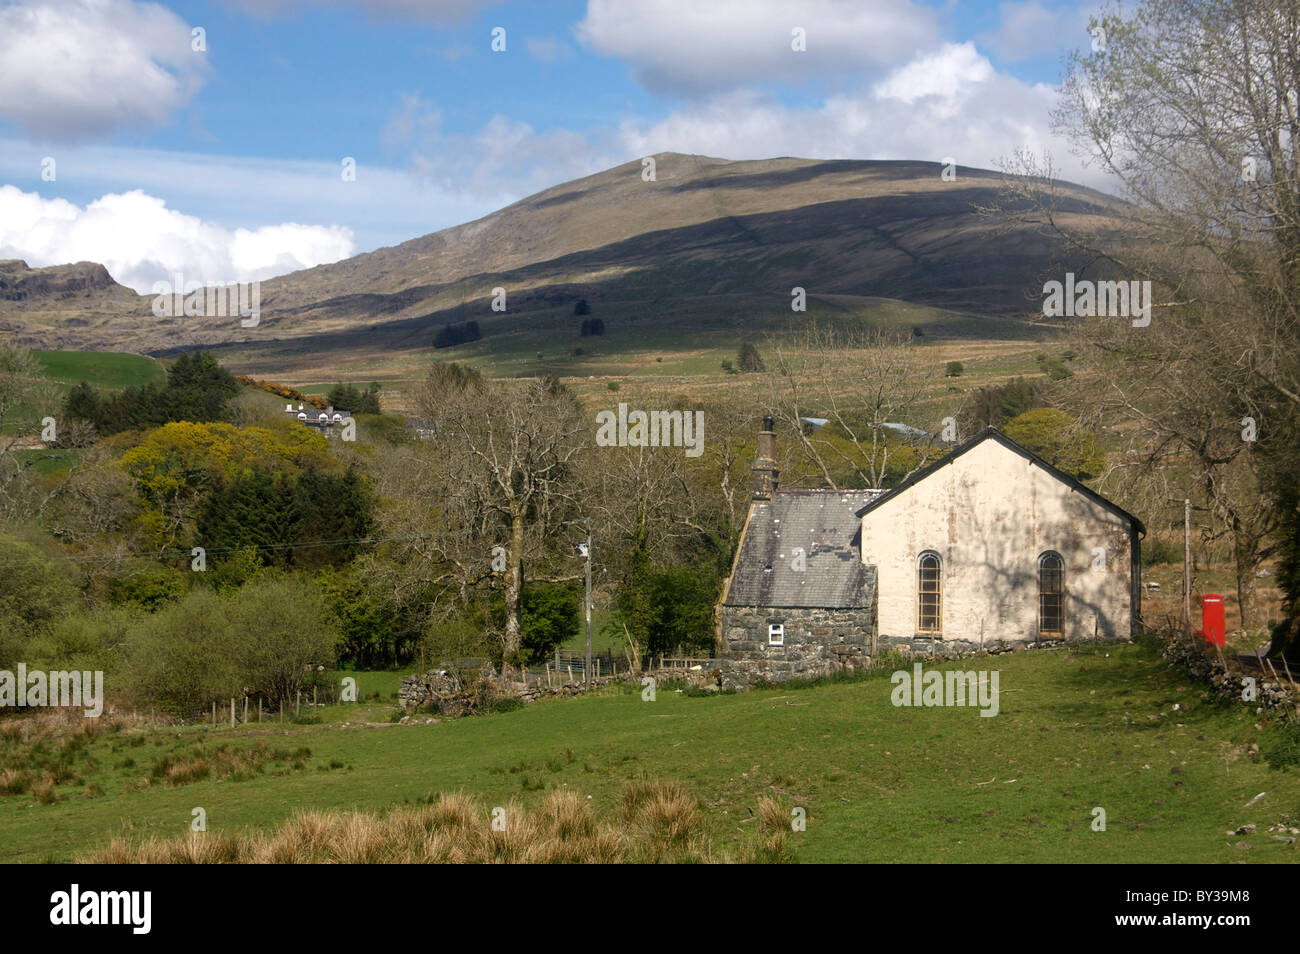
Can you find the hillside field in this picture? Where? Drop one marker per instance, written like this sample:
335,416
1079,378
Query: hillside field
1079,728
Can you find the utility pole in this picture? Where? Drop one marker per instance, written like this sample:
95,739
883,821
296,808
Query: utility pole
587,553
1187,562
584,549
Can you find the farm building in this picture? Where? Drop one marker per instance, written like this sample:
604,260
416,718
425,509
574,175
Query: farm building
324,421
988,546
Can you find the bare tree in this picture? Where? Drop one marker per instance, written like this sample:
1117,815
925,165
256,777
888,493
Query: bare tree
1191,108
885,385
504,458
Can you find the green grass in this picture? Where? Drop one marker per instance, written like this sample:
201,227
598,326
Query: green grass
103,369
47,461
1077,730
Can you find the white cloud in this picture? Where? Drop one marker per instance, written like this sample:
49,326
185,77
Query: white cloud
693,46
140,241
385,205
949,103
506,158
79,69
944,75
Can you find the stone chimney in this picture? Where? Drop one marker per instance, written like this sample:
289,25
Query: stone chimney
765,471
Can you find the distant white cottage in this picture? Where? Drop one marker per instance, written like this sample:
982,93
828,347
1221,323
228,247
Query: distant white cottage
988,546
324,421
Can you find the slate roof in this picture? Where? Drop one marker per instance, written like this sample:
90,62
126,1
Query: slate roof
992,433
825,524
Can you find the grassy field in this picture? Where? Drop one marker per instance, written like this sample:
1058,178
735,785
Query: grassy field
103,369
1078,729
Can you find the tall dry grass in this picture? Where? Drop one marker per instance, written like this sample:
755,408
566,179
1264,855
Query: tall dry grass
657,822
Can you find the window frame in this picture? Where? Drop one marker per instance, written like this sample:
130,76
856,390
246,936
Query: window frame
921,593
1058,594
776,634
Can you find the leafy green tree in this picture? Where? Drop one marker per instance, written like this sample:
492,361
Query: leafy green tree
148,587
550,616
83,404
333,513
994,406
198,389
257,509
664,608
351,398
954,369
34,589
1054,436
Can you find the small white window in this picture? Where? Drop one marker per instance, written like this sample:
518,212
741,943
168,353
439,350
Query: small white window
776,634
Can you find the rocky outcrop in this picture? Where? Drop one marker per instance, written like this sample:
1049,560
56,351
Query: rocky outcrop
18,282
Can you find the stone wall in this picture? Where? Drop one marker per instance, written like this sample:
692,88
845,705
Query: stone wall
817,642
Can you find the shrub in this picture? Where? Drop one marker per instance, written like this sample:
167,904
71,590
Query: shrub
748,359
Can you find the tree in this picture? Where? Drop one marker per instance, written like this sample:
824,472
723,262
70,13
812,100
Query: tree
22,388
282,630
1055,436
550,616
1191,107
954,369
452,335
503,469
664,608
748,359
34,589
349,397
995,405
582,308
198,389
856,448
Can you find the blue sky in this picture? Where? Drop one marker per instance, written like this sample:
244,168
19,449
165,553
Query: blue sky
225,162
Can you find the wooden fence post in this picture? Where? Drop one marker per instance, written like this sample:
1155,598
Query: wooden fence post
297,705
259,710
245,710
232,712
214,713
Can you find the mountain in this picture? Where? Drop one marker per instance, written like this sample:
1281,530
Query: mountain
710,244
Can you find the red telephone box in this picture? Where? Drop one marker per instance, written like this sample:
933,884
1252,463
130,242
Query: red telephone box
1213,625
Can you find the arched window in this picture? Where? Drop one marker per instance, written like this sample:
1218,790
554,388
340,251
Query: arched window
1051,594
929,590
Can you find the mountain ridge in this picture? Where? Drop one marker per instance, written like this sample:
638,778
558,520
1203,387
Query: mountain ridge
741,231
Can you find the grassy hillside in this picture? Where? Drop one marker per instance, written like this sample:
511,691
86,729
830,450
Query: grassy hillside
103,369
1078,729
